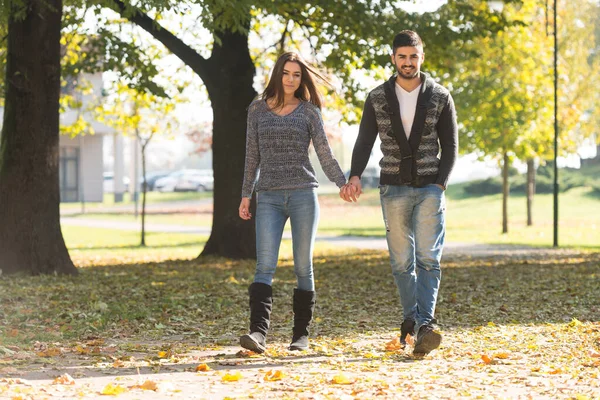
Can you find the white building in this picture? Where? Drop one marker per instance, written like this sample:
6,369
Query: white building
81,159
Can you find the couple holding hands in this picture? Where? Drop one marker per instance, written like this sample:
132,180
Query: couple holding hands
416,121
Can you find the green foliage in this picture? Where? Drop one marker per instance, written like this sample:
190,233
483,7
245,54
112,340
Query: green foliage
568,178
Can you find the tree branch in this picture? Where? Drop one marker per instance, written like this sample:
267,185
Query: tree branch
189,56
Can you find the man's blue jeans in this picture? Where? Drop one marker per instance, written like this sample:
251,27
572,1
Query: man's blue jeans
415,229
273,209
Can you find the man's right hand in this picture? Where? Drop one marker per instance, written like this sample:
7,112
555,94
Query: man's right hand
352,190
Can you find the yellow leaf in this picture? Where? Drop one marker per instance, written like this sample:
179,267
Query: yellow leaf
162,354
64,379
82,350
487,359
502,355
148,385
202,368
118,363
556,371
574,322
113,390
232,377
341,379
274,376
50,352
491,324
232,279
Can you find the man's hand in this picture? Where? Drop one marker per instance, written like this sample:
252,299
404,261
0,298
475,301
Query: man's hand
351,191
245,208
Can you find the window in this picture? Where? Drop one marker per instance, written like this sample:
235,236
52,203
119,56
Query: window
69,174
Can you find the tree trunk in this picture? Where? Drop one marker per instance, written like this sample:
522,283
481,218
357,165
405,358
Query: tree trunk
144,189
505,192
230,97
31,240
530,190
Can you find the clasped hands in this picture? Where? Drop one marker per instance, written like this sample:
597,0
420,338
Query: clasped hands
352,190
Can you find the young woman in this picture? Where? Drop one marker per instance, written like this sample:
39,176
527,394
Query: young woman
281,125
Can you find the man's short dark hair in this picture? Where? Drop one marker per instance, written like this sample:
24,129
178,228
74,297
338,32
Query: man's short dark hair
407,38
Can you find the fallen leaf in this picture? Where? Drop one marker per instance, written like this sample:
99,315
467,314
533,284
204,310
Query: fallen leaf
246,353
113,390
162,354
202,368
394,345
274,376
556,371
594,353
502,355
341,379
64,379
118,364
51,352
232,377
148,385
487,359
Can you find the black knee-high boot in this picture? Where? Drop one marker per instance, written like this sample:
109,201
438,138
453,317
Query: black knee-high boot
304,307
261,303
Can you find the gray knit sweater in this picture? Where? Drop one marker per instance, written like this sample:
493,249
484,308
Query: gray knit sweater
277,149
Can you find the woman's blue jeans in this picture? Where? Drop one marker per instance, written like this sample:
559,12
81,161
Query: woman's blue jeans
415,230
273,209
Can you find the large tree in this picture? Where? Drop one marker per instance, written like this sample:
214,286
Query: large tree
30,235
349,35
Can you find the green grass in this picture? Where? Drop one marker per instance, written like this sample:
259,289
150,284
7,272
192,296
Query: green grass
469,219
152,198
479,219
96,246
186,219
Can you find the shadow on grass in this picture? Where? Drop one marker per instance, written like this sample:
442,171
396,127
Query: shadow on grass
204,301
138,247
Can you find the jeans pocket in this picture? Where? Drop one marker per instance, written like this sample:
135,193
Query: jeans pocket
383,189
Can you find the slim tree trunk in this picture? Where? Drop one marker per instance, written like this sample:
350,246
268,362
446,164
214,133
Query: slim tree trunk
31,240
530,190
144,190
505,192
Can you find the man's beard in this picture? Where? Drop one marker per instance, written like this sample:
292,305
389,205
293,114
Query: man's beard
410,74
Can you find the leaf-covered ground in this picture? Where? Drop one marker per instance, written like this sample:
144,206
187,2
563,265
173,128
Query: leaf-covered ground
514,327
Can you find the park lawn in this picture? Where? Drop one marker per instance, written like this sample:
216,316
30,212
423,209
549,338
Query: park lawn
479,219
99,246
152,198
512,327
203,219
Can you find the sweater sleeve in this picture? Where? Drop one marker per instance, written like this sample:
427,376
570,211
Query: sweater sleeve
367,134
321,144
448,136
251,168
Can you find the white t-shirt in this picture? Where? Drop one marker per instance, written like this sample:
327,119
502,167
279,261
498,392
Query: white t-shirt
408,106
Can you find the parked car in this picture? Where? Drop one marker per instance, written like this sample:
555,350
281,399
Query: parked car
186,180
109,182
152,177
369,178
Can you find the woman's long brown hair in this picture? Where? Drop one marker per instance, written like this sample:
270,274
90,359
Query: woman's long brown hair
307,90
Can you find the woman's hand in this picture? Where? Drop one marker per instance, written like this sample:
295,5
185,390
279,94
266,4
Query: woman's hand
245,208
